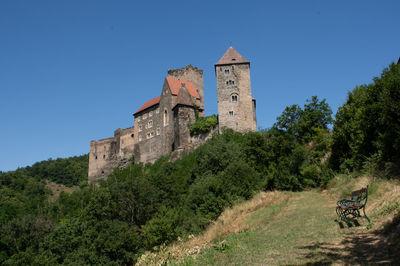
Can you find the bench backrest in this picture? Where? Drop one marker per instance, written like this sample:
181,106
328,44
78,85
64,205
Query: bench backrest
360,195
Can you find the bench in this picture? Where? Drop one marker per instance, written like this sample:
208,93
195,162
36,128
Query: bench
351,207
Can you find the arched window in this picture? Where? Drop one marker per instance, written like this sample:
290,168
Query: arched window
165,117
150,124
234,98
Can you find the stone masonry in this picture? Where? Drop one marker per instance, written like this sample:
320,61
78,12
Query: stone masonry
161,125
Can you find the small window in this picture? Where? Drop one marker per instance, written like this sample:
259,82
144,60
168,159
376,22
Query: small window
102,172
158,131
104,156
226,71
234,98
230,82
150,124
148,135
165,117
144,116
95,157
230,113
151,134
132,135
140,128
151,113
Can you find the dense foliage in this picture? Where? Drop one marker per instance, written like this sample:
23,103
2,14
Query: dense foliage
143,206
367,126
203,125
23,200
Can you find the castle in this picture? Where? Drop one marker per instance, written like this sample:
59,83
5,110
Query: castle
161,125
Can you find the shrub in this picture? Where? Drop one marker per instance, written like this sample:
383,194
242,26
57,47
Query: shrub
203,125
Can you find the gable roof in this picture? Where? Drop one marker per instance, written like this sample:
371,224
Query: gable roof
230,57
148,104
176,84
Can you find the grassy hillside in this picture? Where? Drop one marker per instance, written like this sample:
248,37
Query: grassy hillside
296,228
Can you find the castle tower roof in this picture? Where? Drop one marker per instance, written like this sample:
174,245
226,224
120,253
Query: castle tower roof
230,57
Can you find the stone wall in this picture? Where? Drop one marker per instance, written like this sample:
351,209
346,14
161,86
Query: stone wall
236,109
184,116
148,126
107,154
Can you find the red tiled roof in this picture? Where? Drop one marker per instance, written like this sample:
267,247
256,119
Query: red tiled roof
148,104
231,56
176,84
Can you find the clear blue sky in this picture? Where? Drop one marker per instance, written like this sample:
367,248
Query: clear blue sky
73,71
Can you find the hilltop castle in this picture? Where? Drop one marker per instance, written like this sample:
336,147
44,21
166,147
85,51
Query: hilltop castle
161,125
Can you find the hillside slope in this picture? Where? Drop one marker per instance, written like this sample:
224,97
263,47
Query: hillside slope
296,228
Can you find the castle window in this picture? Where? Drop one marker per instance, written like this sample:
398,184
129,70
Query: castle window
140,128
165,117
95,157
144,116
158,131
150,124
140,138
230,113
226,71
151,134
151,113
104,156
132,135
234,98
148,135
230,82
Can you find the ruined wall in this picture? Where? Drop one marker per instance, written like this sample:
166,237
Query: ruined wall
107,154
101,157
195,75
235,102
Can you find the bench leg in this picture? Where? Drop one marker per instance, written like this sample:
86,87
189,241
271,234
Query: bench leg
365,215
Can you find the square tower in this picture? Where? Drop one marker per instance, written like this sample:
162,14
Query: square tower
236,106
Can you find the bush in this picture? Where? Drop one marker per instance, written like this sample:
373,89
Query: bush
203,125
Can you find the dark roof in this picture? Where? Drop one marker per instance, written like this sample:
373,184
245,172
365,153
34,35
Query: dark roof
230,57
148,104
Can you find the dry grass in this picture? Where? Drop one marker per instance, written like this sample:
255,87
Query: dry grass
56,190
232,221
235,237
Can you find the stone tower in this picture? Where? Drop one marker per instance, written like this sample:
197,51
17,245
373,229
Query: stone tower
236,106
